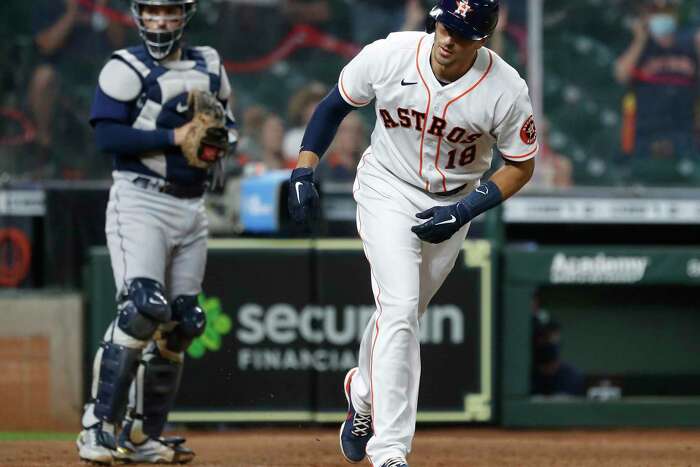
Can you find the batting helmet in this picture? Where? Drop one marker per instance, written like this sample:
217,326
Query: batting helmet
471,19
160,43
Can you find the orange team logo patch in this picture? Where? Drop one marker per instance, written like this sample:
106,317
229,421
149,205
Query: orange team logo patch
463,8
528,133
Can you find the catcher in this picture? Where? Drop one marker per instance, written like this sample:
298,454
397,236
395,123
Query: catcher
162,110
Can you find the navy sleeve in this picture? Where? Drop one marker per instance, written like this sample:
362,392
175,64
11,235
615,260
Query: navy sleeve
324,123
230,119
483,198
116,138
231,123
108,108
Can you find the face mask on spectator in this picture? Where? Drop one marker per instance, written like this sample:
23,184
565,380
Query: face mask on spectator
662,25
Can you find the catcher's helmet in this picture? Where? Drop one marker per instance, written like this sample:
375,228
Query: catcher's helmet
161,43
471,19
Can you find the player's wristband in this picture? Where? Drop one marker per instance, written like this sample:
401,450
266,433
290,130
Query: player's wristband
483,198
302,174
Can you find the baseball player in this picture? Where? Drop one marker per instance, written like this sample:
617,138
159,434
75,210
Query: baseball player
162,109
442,100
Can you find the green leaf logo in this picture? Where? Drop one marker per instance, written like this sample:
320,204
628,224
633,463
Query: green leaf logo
218,324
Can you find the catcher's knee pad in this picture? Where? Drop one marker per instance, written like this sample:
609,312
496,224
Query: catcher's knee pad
191,322
143,308
117,369
157,382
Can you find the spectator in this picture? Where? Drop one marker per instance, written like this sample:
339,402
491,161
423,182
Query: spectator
249,19
510,37
660,67
301,106
550,375
375,19
271,138
553,170
413,16
497,42
329,15
68,37
340,164
249,146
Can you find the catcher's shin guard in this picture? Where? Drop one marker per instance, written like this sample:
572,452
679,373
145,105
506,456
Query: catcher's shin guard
158,377
153,394
116,372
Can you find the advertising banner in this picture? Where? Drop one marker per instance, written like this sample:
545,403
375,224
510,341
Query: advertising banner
260,201
602,265
20,239
284,323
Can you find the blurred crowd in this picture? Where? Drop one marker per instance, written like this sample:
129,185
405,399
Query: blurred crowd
50,62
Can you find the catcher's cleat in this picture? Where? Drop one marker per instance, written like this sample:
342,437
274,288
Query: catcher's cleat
395,462
357,428
96,446
152,450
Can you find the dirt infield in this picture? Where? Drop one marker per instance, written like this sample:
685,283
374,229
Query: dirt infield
457,447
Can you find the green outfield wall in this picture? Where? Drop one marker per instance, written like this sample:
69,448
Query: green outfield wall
287,314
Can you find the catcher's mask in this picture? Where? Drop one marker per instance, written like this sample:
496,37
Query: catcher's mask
471,19
160,42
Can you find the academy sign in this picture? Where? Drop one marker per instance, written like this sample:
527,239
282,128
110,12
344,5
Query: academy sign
598,269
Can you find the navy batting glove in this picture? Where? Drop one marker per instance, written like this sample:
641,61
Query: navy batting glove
303,197
444,222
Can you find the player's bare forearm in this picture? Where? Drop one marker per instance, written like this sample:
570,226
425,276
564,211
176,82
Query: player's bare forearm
54,37
308,159
513,176
624,65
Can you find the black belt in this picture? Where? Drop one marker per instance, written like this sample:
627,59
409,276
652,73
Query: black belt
454,191
172,189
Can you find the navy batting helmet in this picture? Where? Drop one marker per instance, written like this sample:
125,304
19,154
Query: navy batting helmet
161,43
471,19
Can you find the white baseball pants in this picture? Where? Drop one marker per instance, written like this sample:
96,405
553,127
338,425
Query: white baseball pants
406,273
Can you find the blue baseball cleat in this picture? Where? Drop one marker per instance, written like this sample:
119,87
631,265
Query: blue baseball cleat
356,430
395,462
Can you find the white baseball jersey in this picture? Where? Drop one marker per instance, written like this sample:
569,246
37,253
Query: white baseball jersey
429,139
434,136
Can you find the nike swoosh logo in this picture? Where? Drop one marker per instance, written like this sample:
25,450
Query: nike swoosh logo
484,188
451,220
405,83
182,108
154,302
296,187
